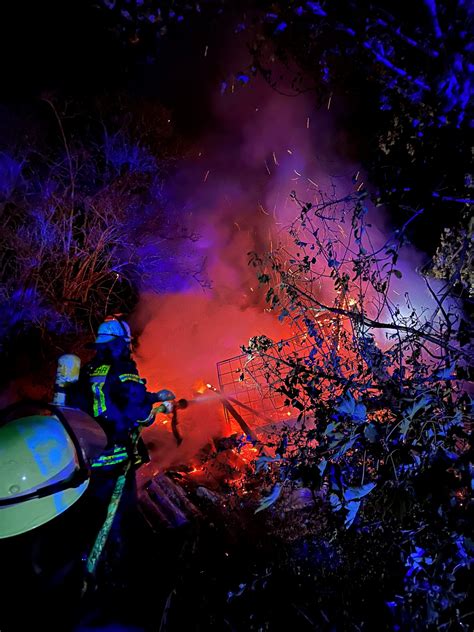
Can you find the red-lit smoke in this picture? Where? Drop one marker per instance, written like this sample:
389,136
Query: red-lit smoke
234,191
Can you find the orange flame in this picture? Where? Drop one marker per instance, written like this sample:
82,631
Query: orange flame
200,387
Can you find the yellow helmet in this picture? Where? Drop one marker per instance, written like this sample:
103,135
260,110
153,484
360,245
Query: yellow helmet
42,473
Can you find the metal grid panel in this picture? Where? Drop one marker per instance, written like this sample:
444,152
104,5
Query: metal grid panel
253,381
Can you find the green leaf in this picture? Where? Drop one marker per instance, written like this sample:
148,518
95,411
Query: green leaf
352,510
417,406
350,407
330,429
345,447
269,500
355,493
405,426
448,373
335,502
371,433
283,314
322,466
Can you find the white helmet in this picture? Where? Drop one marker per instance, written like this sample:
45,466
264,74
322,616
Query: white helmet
42,473
111,329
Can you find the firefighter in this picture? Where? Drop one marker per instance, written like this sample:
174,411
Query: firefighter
111,390
44,481
50,490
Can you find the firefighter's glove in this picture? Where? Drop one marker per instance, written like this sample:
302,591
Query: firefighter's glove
165,408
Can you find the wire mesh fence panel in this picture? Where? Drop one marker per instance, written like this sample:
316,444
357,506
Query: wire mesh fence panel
254,381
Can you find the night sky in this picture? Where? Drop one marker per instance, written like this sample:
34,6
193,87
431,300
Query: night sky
71,50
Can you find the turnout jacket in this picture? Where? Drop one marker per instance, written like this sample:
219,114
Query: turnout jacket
115,395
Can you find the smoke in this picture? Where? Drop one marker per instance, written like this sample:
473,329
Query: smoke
233,190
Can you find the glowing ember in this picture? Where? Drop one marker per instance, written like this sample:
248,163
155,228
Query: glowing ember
200,386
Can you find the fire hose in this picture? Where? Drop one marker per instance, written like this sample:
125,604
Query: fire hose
101,539
178,405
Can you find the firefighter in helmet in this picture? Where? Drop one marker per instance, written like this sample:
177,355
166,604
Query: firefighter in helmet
111,390
44,483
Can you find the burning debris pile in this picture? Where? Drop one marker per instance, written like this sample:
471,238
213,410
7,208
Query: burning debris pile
230,471
232,477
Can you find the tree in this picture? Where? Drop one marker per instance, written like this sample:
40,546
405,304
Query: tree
383,420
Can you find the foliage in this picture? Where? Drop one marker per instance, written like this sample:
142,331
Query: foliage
453,260
85,220
383,421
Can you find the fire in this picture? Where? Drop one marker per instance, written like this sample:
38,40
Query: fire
246,453
200,387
